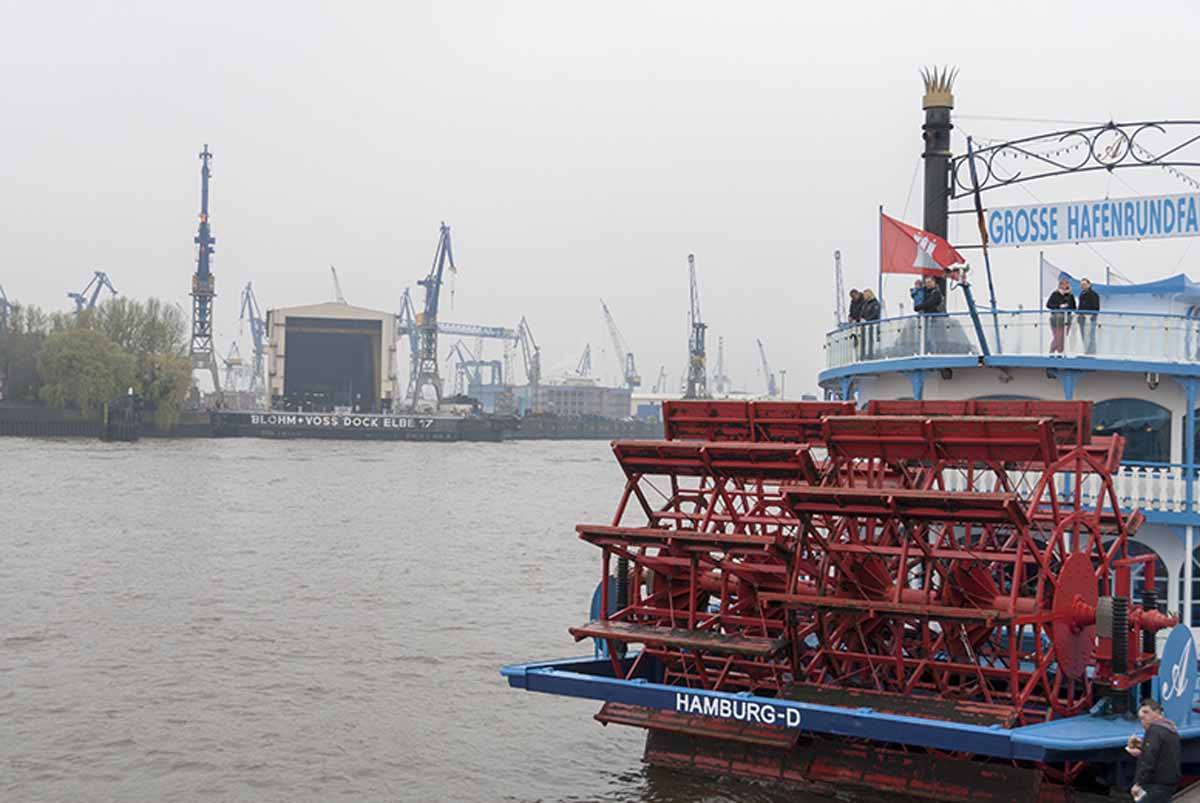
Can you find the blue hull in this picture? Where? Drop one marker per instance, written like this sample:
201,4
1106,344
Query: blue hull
1090,738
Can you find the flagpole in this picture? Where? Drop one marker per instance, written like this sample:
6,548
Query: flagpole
881,260
983,240
1041,300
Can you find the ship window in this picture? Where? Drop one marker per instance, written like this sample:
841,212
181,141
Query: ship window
1183,439
1145,425
1160,575
1195,586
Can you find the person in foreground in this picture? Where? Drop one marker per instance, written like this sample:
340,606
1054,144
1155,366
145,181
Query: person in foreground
1157,754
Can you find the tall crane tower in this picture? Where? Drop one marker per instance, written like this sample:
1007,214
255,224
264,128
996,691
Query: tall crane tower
532,357
337,286
628,370
839,303
5,306
697,374
772,388
584,369
86,298
660,384
721,382
463,358
426,375
258,332
233,365
406,326
203,291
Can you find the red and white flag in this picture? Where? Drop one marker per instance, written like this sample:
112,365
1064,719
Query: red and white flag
907,249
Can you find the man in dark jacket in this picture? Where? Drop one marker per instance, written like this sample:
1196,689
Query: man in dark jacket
856,305
1157,752
932,300
931,304
1089,305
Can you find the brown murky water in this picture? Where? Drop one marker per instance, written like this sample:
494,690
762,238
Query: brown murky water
259,620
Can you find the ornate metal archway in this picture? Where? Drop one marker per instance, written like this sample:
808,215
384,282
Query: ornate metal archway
1161,143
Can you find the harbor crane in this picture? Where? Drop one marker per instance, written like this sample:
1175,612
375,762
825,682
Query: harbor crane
5,308
772,388
468,369
697,373
462,373
406,326
531,355
721,383
86,298
258,332
426,375
233,362
584,369
660,384
624,354
337,287
839,290
203,284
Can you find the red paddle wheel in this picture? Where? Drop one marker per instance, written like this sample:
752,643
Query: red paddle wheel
716,535
971,570
954,560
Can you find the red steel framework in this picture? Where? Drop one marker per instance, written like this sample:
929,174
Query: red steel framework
954,559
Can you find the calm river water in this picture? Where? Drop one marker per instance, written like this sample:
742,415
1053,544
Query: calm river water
261,620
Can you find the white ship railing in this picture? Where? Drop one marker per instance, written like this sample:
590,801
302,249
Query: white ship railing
1117,336
1152,487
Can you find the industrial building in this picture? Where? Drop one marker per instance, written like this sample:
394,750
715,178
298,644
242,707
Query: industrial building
584,399
331,356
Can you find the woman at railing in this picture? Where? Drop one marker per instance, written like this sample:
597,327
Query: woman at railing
870,316
1060,301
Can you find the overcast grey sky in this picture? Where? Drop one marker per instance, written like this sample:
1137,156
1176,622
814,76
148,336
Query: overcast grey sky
577,150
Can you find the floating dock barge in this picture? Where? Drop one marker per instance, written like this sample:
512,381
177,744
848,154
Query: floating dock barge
932,599
365,426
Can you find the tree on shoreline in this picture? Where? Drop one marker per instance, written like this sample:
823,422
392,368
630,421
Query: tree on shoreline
84,360
82,368
28,327
155,333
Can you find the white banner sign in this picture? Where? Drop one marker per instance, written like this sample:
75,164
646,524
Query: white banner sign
1094,221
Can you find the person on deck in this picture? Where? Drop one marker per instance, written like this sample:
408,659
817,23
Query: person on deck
1089,305
931,298
856,304
1157,754
854,318
1060,301
917,293
931,304
870,314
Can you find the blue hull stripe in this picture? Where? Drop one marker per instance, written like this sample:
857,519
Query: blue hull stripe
1086,737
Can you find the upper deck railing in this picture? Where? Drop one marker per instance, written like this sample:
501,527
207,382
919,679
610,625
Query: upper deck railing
1103,335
